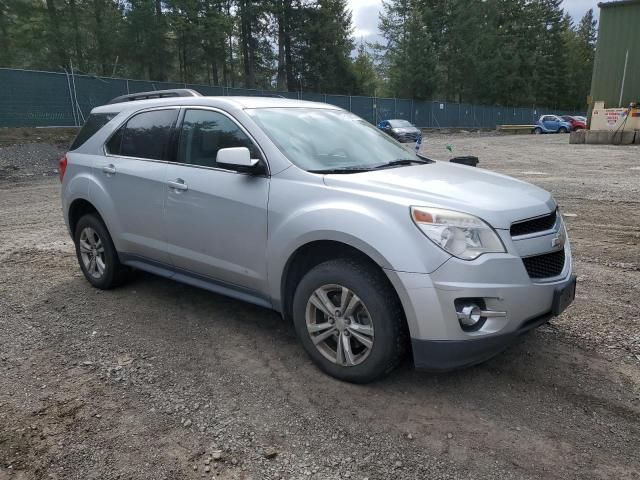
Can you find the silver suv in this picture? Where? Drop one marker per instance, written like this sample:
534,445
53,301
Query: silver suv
370,249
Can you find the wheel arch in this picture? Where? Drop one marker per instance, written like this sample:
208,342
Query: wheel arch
77,209
315,252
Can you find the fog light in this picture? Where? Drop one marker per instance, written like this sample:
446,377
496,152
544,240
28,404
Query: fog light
470,315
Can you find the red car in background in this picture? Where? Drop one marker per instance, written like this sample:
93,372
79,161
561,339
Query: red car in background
577,123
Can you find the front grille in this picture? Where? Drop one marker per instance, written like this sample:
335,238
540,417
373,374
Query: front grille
545,266
534,225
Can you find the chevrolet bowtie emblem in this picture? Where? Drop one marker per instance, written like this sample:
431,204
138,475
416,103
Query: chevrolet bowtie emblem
558,240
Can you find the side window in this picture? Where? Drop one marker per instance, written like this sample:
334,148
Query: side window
145,135
94,123
204,132
115,142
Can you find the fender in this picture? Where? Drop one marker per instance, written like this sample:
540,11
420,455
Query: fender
349,223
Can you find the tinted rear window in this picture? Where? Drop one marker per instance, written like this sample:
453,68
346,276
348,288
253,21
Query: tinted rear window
94,123
145,135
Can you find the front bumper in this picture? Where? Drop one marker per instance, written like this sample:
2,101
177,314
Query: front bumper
443,355
438,340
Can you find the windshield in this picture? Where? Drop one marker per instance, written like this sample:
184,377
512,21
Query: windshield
317,139
400,123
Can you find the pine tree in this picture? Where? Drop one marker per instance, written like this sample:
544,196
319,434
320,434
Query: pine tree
410,54
366,79
550,56
326,53
581,43
509,52
146,34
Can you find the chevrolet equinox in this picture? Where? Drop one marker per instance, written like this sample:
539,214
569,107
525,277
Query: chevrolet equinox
370,249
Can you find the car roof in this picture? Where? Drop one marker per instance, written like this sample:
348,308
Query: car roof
221,102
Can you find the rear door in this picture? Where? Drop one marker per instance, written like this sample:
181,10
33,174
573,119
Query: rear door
216,217
133,175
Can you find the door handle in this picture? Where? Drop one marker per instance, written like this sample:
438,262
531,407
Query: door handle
178,184
109,169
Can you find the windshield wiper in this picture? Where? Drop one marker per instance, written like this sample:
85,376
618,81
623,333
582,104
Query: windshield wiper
403,161
426,159
342,170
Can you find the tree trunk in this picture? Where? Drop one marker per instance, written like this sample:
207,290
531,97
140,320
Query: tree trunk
5,52
55,41
159,60
281,83
214,71
247,46
76,34
291,81
101,37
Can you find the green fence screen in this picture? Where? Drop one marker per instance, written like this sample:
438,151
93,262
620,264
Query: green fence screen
42,99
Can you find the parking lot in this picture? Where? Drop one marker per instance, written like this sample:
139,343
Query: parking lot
160,380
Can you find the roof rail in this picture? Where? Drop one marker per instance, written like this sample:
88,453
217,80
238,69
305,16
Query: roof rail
176,92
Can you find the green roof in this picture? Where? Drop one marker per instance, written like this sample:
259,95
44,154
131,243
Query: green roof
618,4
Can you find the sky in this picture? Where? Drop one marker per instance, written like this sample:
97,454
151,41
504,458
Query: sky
365,15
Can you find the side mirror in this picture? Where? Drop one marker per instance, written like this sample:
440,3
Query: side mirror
237,157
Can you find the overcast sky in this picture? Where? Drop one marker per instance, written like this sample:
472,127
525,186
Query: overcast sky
365,15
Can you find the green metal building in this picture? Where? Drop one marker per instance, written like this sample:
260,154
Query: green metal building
616,72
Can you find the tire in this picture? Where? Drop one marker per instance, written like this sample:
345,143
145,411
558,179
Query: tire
92,240
378,313
562,130
537,131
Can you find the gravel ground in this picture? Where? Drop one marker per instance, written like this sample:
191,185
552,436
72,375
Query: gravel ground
160,380
29,160
29,152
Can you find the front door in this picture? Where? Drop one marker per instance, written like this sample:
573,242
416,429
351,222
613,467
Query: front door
551,123
216,218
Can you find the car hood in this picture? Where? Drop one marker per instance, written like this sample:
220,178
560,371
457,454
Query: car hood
498,199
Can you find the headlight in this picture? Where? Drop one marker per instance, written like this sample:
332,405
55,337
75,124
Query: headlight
462,235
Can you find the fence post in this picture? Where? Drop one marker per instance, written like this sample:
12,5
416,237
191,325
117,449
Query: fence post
73,110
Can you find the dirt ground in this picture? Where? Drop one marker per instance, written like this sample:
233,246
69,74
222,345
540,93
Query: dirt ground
158,380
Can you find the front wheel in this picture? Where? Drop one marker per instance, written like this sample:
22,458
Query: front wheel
537,130
563,130
349,320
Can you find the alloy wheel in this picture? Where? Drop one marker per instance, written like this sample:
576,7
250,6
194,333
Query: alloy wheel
339,325
92,252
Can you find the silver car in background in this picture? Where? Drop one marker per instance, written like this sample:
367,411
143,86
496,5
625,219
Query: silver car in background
371,250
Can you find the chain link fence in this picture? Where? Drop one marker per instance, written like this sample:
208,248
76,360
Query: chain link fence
42,99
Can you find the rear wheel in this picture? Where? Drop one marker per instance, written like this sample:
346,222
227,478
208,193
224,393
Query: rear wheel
349,320
96,253
563,130
537,130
